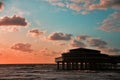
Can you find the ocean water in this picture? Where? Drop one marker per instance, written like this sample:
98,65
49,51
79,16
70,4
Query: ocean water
49,72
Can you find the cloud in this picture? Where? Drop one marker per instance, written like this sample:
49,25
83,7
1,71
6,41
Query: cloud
35,32
1,6
82,37
90,41
75,43
24,47
104,4
114,50
111,51
47,52
10,28
112,23
13,21
12,24
96,42
93,42
76,5
101,45
59,36
81,6
56,2
85,6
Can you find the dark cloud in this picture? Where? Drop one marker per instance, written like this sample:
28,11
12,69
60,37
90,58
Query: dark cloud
1,6
59,36
95,42
112,23
35,32
13,21
75,43
24,47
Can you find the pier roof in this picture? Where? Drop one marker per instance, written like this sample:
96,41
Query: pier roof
84,49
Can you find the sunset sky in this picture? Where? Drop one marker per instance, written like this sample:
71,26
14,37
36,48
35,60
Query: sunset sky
37,31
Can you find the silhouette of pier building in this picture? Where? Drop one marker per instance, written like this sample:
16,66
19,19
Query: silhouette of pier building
86,59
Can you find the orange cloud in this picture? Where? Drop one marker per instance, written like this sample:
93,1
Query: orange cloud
24,47
35,32
47,52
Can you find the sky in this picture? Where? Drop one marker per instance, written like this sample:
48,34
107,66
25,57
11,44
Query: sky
37,31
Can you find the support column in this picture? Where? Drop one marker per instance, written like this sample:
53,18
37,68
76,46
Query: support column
76,64
90,66
81,65
86,66
63,65
58,66
68,66
72,65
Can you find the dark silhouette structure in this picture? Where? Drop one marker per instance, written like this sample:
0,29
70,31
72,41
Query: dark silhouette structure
87,59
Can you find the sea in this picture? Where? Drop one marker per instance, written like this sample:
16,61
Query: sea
49,72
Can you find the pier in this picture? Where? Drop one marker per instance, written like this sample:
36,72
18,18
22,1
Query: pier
87,59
